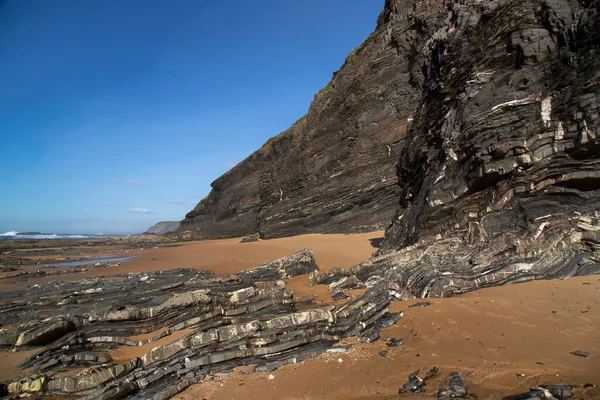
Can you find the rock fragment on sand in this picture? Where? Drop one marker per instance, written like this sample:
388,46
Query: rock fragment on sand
550,392
251,238
395,342
580,353
456,388
421,304
415,383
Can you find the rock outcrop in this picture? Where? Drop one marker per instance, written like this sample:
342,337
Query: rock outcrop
500,172
163,227
334,170
228,321
500,176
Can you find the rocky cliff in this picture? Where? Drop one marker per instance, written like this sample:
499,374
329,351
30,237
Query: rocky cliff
489,110
163,227
334,170
500,172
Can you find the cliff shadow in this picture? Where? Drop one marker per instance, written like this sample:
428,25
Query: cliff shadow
376,242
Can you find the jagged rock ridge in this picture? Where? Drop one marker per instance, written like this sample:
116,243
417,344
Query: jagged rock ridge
500,173
243,319
335,169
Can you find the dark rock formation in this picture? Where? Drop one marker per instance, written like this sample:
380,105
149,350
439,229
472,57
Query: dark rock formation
243,319
163,227
545,392
415,383
335,169
492,110
456,388
499,173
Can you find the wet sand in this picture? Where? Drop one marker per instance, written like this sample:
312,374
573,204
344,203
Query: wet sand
490,335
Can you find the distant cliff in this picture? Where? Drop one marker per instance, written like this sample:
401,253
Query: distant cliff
334,170
163,227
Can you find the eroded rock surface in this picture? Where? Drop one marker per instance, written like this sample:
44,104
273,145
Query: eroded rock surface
334,170
478,121
243,319
499,173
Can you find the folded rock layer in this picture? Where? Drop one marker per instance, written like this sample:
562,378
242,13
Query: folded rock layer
500,173
334,170
225,321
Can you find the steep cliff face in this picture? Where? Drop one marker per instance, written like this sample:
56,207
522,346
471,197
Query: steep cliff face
335,169
500,173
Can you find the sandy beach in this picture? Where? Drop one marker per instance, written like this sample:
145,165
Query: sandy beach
501,339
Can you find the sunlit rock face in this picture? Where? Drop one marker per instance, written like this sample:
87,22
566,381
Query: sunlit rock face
471,126
500,172
335,169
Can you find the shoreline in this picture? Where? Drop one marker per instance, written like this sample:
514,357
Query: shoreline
489,335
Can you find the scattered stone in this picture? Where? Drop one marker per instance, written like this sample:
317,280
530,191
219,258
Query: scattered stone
580,353
383,353
251,238
550,392
372,336
457,388
421,304
395,342
417,384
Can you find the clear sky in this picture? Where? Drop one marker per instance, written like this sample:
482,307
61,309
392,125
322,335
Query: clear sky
117,114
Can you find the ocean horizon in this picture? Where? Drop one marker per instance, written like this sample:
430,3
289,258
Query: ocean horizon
15,235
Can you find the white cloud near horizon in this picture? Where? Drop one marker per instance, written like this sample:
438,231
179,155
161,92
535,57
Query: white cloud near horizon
183,202
130,183
140,210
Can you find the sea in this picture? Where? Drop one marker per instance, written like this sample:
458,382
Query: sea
13,235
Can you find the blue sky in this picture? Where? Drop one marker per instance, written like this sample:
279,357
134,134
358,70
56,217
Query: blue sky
117,114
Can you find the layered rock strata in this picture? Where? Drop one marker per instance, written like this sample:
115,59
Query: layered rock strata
335,169
500,172
243,319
